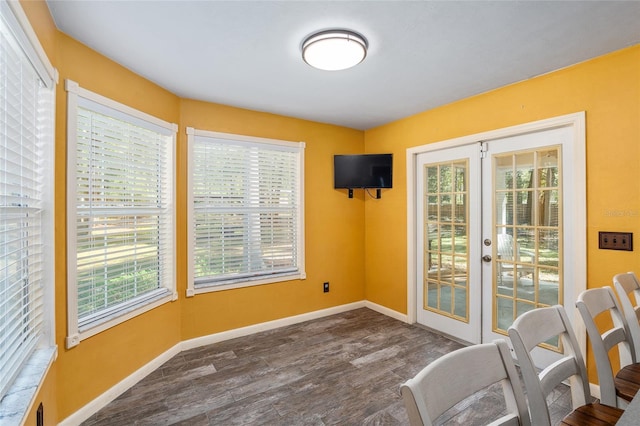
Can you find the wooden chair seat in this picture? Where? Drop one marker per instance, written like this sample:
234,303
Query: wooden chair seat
627,381
594,414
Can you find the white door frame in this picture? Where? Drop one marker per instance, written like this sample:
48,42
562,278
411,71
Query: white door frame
575,179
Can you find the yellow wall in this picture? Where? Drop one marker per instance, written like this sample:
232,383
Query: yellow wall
607,88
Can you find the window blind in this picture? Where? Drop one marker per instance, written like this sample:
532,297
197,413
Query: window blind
25,120
247,214
124,228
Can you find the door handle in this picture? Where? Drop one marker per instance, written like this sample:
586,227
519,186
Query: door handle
486,258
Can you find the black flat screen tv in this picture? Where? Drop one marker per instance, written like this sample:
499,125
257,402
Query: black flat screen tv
363,171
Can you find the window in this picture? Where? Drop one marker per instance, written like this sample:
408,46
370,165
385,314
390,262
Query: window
120,212
27,87
246,211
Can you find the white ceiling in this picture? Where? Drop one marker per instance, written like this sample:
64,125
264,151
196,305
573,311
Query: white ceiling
422,54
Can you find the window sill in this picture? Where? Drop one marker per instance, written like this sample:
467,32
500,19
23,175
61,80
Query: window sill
208,288
16,404
117,317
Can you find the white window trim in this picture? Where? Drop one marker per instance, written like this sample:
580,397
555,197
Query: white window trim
19,399
75,334
30,43
192,290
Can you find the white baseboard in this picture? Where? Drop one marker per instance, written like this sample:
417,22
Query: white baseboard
386,311
595,390
118,389
269,325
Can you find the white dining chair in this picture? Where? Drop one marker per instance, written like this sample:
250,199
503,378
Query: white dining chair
461,374
512,257
627,286
615,389
537,327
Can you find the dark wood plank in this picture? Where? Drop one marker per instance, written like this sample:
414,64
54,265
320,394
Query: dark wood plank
593,415
627,381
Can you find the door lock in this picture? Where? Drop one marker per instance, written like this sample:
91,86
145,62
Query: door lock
486,258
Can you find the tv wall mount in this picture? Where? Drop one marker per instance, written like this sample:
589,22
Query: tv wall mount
378,193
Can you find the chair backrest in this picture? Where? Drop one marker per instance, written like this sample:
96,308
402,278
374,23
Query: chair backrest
510,250
591,303
505,247
533,328
625,285
460,374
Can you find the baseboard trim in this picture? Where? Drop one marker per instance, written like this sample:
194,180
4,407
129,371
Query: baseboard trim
386,311
595,390
269,325
118,389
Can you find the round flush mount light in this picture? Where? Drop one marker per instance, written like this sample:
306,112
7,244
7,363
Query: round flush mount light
334,50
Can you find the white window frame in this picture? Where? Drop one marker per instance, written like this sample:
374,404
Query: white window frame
76,332
299,273
16,403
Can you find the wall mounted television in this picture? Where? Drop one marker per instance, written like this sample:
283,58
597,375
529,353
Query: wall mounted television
363,171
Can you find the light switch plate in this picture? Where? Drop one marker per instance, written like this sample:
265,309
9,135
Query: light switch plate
615,241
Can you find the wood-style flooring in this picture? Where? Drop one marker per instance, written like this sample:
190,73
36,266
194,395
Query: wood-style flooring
343,369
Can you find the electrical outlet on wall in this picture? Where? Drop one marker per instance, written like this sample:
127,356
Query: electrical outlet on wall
40,415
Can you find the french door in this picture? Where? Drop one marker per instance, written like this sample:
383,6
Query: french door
493,223
449,201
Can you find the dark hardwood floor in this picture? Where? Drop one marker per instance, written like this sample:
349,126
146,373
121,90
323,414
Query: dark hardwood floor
343,369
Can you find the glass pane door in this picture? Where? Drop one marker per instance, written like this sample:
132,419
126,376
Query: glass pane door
446,239
449,272
500,230
524,219
527,229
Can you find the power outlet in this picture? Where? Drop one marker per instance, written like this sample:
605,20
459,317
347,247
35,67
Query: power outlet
615,241
40,415
325,287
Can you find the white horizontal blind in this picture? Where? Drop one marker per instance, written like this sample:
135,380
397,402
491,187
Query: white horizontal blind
25,120
124,212
246,210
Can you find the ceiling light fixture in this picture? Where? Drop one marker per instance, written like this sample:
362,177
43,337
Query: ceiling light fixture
334,50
